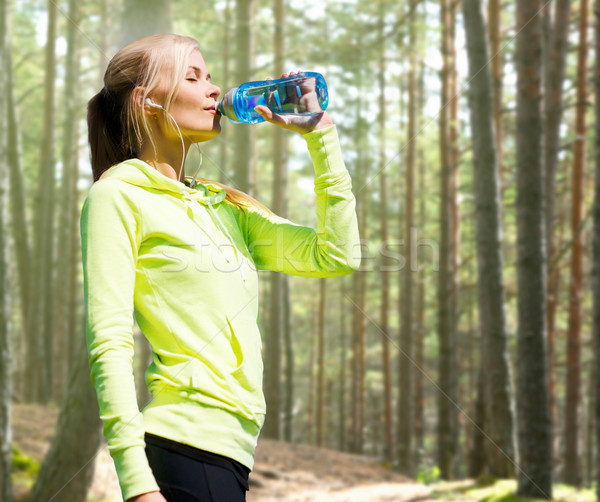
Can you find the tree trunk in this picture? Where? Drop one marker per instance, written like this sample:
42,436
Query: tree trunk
419,357
405,426
44,233
359,297
573,384
499,418
448,378
385,265
288,429
478,461
151,17
534,421
228,29
18,223
596,257
6,492
588,439
64,251
242,133
311,379
342,423
321,363
68,467
278,322
418,406
554,76
497,69
360,332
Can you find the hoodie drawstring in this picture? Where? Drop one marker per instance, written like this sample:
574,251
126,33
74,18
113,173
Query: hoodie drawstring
214,216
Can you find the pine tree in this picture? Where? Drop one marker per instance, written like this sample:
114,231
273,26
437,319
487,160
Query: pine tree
495,371
534,421
573,385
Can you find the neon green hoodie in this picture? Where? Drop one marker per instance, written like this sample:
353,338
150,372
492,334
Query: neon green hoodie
184,262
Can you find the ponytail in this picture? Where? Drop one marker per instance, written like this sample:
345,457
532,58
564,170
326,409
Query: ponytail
107,132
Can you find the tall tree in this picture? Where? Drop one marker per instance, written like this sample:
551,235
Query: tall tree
6,492
420,327
385,265
242,136
596,252
151,17
44,229
534,421
288,416
343,348
448,373
359,293
573,387
19,229
497,70
65,251
68,468
321,362
404,423
554,75
278,322
499,418
225,80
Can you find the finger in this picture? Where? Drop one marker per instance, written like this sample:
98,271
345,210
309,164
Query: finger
271,116
268,114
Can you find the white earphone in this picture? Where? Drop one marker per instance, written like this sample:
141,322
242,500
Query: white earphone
151,103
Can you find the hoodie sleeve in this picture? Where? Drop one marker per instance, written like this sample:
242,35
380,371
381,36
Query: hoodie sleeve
330,249
110,240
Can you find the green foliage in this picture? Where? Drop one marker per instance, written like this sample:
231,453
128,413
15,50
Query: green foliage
503,491
24,463
486,480
429,475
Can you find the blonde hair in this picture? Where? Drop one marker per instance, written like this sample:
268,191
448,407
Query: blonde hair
116,122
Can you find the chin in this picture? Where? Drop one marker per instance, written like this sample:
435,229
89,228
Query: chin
203,136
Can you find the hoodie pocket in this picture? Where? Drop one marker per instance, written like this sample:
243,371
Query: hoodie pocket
247,377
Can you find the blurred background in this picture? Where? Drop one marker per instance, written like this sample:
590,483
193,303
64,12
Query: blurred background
464,347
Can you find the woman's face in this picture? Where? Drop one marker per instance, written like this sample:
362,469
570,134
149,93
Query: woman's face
194,108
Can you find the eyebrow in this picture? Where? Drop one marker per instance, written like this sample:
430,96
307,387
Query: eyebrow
198,70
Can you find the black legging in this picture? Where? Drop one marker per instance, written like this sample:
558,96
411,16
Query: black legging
184,479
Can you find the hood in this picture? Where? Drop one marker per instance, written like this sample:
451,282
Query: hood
192,192
139,173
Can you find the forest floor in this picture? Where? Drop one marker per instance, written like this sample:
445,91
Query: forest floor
282,472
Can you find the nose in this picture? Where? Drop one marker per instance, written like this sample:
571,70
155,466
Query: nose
214,91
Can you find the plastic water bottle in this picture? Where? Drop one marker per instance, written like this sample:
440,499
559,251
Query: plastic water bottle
304,93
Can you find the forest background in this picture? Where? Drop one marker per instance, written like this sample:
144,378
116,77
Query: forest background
467,342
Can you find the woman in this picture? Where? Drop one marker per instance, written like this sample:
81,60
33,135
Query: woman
182,257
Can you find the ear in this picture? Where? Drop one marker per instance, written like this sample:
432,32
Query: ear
138,96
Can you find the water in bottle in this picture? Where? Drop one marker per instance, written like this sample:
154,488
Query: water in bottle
303,93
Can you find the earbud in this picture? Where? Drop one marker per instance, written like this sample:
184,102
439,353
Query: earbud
151,103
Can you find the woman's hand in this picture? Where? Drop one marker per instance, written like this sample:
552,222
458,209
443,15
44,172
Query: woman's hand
148,497
308,101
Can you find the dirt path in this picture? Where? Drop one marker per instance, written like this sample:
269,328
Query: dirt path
300,473
283,472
